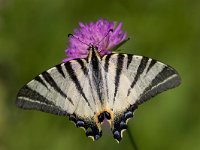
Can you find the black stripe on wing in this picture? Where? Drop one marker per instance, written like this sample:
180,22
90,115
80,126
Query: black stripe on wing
152,63
85,71
39,79
168,78
27,92
28,98
107,59
120,61
52,83
141,67
83,67
106,65
74,78
60,70
130,57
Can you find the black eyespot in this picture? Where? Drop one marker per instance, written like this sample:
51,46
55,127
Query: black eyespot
97,135
89,132
117,135
101,117
107,115
123,125
80,123
128,114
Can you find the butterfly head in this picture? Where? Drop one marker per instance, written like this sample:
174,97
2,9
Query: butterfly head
92,47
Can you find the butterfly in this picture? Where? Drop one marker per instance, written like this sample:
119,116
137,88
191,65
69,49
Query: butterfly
92,89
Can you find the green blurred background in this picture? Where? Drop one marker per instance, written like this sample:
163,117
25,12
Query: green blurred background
33,37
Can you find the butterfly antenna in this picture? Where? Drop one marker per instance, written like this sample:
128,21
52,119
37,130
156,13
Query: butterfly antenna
111,30
71,35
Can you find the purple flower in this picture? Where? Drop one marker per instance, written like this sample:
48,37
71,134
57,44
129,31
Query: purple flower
96,34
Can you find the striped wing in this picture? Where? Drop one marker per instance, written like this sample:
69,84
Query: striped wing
60,91
131,80
113,85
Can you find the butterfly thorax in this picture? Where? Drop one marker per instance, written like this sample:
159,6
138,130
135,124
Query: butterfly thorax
93,54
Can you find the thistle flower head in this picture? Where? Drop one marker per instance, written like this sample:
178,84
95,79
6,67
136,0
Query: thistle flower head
96,34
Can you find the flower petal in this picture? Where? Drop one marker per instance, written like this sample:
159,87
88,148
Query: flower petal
96,34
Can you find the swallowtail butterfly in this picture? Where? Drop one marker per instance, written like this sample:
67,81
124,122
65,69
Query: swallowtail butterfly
98,87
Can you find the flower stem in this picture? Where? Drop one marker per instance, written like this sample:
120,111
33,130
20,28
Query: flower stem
132,139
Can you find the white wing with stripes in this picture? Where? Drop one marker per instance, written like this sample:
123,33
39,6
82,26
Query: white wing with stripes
98,87
60,91
130,80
